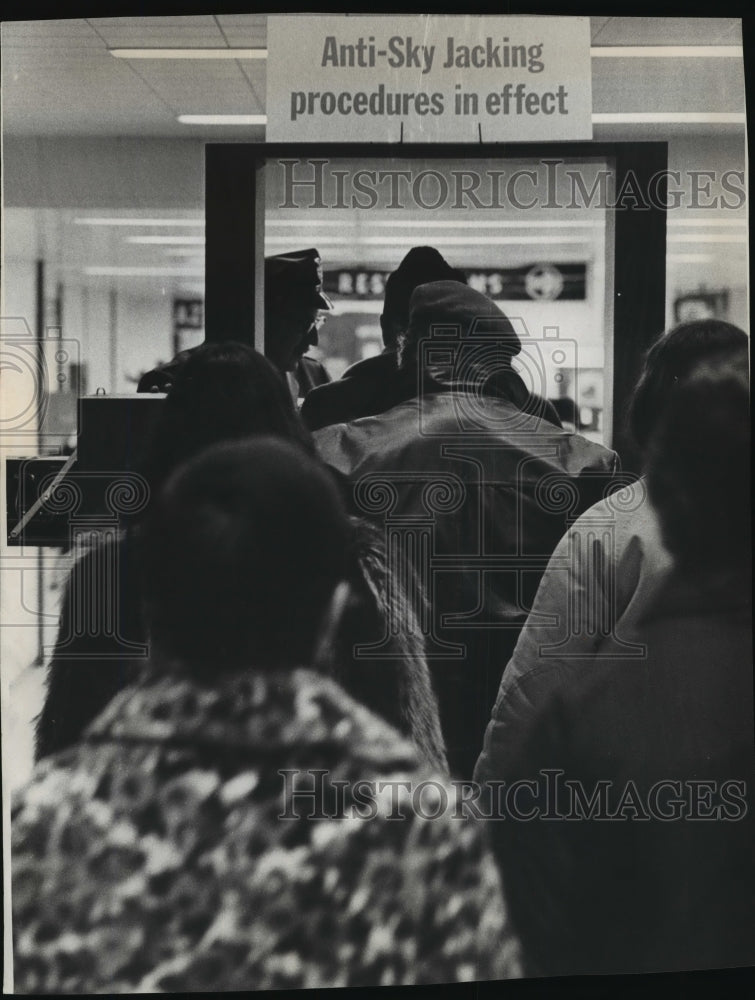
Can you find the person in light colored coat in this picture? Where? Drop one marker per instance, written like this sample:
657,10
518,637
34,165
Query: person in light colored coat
608,568
646,768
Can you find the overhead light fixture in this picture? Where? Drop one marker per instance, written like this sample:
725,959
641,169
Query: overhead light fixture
95,221
689,258
670,118
666,52
487,224
470,240
168,240
207,53
144,272
223,119
707,222
184,252
708,238
438,224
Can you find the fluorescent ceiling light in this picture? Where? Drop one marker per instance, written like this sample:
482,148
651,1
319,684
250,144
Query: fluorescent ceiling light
708,238
666,52
670,118
707,222
168,240
184,252
138,222
145,272
487,224
446,240
437,224
200,53
689,258
223,119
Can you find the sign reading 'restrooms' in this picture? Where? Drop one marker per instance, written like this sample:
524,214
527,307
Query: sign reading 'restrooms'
428,78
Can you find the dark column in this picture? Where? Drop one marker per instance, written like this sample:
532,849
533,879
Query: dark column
639,276
230,212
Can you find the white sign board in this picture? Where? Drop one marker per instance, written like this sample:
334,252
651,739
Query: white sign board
428,78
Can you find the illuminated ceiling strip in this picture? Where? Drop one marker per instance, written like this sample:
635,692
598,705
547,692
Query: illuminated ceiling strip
168,240
145,272
670,118
436,224
689,258
666,52
709,238
446,240
707,222
197,252
199,53
96,221
222,119
398,223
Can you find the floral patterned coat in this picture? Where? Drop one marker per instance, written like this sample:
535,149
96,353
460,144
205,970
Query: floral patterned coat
153,856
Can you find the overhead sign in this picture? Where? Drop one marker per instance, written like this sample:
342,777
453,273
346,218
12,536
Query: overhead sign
533,281
428,78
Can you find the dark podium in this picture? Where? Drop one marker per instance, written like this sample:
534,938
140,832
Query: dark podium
49,498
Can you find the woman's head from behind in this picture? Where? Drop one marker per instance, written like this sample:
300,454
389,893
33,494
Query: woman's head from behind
224,391
699,470
675,354
242,551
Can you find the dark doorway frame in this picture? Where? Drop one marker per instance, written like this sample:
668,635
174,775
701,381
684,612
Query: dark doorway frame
234,237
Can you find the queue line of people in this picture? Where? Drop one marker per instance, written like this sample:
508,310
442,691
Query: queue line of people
413,593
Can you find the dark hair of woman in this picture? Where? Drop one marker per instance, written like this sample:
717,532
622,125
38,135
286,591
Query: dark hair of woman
224,391
699,470
671,358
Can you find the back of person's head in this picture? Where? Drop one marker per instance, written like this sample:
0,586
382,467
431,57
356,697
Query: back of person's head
420,266
485,329
224,391
242,553
699,469
671,358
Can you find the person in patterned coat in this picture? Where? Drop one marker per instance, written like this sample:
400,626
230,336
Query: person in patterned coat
235,820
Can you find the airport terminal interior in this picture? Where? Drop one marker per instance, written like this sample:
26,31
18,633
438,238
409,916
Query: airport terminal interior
389,427
104,231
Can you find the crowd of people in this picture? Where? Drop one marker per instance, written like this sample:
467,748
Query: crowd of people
405,682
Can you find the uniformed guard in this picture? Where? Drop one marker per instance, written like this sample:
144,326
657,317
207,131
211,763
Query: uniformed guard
295,305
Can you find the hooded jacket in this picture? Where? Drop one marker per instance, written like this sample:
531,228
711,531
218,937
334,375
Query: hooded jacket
476,489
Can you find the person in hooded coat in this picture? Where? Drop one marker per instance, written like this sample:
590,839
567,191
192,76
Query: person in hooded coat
469,477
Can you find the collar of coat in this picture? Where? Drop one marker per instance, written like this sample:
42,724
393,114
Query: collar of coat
263,711
475,377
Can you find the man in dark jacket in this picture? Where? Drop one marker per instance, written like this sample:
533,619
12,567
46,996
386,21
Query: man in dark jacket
294,299
369,386
470,480
374,385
